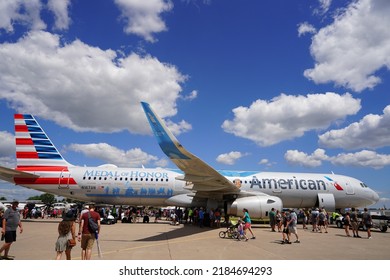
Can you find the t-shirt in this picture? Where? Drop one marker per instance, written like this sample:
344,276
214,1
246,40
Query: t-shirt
84,217
293,219
12,218
247,219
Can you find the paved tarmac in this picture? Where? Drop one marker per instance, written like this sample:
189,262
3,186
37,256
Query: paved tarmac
162,241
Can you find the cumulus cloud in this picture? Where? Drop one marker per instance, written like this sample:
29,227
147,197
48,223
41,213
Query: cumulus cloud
363,158
27,13
287,116
86,88
110,154
373,131
349,51
143,18
230,158
304,28
7,149
300,158
60,11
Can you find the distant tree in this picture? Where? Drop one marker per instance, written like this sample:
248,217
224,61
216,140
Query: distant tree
3,198
46,198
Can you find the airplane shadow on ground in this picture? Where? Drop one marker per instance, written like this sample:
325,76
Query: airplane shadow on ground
177,232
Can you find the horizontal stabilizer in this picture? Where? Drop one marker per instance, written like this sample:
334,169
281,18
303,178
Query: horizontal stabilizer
8,174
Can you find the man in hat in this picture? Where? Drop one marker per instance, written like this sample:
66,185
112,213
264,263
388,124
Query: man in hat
10,224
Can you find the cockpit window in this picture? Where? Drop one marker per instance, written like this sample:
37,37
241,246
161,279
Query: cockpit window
363,185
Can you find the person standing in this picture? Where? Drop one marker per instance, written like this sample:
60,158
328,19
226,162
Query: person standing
85,235
367,222
354,223
347,223
272,219
11,222
248,223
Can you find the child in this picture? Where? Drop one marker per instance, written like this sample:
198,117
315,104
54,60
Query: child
241,232
66,231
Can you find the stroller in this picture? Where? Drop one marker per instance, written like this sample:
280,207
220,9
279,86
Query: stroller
230,232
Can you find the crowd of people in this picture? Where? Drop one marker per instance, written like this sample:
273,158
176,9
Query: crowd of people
77,218
286,222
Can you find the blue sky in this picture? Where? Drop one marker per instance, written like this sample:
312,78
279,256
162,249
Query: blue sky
296,86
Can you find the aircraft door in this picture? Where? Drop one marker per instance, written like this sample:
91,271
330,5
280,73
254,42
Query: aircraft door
63,180
349,188
327,201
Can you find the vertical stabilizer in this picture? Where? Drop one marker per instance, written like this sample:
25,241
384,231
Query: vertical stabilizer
34,150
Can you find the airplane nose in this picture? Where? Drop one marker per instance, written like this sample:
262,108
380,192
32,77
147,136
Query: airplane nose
375,197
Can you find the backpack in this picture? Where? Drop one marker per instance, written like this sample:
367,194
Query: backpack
92,225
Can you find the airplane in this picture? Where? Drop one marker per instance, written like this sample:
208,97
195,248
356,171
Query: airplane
40,166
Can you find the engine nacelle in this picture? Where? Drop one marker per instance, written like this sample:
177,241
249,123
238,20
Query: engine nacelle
258,206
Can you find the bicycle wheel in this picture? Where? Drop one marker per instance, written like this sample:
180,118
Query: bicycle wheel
222,234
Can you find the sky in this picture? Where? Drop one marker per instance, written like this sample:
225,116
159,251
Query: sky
294,86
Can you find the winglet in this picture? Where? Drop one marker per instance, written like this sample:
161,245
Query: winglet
167,141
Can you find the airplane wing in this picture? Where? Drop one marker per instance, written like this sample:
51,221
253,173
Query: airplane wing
203,177
8,174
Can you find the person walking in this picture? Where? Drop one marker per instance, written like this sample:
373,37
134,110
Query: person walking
66,231
85,235
292,225
248,223
11,221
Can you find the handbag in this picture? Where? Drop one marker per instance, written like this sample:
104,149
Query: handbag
71,242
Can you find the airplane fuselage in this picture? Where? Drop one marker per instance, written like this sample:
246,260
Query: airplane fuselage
155,187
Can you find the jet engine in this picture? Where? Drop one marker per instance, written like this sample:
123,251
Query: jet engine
258,206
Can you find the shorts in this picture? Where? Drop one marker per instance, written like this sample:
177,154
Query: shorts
321,223
285,230
87,241
10,236
292,229
247,225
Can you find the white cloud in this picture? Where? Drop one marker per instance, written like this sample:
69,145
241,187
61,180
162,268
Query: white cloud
304,28
110,154
301,158
193,95
25,12
178,128
60,11
86,88
363,158
7,147
323,8
373,131
143,18
356,45
230,158
286,116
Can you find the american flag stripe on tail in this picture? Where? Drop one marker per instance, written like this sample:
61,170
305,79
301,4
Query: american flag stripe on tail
34,148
